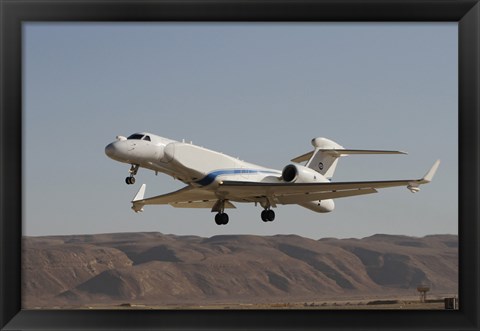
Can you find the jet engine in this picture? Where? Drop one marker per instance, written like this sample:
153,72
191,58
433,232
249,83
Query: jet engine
295,173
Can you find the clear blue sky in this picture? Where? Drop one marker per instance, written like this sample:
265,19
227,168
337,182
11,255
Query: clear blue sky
257,91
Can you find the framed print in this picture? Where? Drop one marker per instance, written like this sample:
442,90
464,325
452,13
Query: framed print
110,109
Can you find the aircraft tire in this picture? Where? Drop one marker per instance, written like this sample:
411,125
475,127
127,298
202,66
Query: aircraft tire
263,215
224,218
270,215
218,220
221,219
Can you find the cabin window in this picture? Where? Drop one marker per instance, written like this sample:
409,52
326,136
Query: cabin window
136,136
147,138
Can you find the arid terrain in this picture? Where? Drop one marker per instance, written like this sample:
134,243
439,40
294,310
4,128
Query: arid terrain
153,270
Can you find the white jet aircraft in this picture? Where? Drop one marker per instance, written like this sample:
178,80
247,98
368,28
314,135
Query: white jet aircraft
215,180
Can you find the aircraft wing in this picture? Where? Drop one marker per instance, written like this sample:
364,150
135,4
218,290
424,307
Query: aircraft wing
187,197
283,193
287,193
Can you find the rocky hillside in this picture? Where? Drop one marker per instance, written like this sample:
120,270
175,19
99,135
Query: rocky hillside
157,269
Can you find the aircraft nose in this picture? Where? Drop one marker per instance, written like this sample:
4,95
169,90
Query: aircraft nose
110,150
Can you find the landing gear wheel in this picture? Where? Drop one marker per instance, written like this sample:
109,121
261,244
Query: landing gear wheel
221,218
267,215
270,215
224,218
263,215
133,172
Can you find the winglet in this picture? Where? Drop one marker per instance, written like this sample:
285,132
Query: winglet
140,193
413,185
429,175
137,205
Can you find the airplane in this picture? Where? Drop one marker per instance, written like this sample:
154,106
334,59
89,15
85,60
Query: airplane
215,180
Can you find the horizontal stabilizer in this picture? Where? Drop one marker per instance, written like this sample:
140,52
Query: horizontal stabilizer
304,157
342,152
358,151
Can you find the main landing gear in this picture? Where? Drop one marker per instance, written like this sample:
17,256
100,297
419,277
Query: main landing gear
133,171
221,218
268,215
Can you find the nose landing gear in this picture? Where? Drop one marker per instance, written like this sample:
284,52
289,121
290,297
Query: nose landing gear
133,171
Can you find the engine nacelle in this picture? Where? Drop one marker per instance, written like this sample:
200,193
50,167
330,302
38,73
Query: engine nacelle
323,206
295,173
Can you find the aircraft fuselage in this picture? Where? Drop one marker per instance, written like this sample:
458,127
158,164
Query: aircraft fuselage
194,165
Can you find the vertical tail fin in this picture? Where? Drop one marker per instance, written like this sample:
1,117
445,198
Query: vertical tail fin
323,160
324,157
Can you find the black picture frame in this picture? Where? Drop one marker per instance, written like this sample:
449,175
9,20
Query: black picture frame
14,13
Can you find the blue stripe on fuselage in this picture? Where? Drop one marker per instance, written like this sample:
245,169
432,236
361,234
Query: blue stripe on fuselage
208,179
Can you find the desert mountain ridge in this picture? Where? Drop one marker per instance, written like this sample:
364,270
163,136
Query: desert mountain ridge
158,269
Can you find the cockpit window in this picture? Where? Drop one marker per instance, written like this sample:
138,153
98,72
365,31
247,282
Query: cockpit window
146,138
136,136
